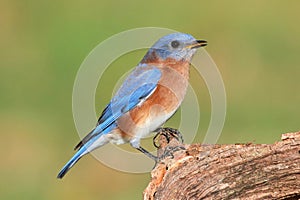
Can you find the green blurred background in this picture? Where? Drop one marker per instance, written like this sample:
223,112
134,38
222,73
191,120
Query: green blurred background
254,43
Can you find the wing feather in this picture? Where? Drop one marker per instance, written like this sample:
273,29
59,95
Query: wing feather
137,87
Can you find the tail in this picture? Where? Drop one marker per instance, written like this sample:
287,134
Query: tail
93,142
81,152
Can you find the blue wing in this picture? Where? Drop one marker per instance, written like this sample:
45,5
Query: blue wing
137,87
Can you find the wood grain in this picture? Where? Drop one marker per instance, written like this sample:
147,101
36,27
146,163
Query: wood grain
234,171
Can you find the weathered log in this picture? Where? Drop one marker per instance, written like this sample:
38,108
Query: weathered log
235,171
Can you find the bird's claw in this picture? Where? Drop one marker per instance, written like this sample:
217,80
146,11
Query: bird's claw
169,133
169,151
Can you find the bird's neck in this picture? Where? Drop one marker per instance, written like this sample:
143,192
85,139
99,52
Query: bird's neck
180,66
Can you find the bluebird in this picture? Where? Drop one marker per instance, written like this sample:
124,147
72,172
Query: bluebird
148,97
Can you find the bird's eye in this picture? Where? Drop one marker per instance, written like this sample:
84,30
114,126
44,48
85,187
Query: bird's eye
175,44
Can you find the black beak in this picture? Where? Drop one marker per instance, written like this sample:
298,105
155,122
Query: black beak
200,43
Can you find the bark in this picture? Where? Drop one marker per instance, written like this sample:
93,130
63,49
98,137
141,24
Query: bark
234,171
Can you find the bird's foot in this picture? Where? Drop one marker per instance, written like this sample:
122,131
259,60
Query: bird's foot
169,151
169,134
165,143
168,141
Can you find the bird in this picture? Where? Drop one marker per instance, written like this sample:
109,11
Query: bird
148,97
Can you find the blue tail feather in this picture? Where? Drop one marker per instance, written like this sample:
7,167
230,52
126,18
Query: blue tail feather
85,148
71,162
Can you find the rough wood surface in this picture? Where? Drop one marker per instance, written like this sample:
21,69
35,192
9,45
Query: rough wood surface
237,171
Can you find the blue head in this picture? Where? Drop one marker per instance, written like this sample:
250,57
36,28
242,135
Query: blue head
178,46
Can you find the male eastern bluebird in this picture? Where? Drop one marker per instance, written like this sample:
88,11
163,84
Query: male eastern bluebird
149,96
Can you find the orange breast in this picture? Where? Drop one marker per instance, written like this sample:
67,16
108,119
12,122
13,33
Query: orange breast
162,100
165,99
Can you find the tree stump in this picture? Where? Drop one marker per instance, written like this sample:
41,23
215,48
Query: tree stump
235,171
